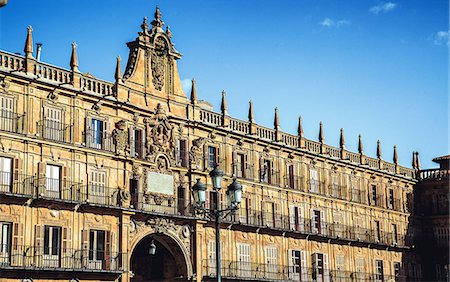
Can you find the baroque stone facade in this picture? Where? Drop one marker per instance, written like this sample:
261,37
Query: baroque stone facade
94,172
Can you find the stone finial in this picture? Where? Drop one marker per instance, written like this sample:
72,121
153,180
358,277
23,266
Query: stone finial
417,161
29,43
321,138
118,72
300,127
144,26
341,139
251,117
157,22
223,105
395,157
276,121
414,160
74,58
193,93
360,144
168,32
378,150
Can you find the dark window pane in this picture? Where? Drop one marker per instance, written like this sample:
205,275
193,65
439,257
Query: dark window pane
46,240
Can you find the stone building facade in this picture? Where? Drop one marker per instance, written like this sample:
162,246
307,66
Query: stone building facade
432,197
92,172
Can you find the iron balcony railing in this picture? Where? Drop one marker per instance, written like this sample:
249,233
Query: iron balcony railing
137,149
16,183
316,187
358,196
246,270
61,189
51,258
55,131
293,181
269,176
377,201
165,205
338,191
99,194
243,170
314,227
182,157
9,121
100,140
394,204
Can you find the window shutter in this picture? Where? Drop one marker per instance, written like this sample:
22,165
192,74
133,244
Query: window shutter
66,246
323,227
313,225
303,266
326,269
41,177
107,262
276,216
85,247
235,163
292,217
17,178
66,193
301,218
38,242
17,239
291,269
314,262
250,215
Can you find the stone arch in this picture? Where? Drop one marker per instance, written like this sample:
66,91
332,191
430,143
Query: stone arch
169,239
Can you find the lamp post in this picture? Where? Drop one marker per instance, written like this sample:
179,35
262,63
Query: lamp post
234,197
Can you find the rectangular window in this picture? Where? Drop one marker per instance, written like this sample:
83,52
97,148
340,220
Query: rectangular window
290,177
266,171
212,258
396,270
54,128
5,241
295,265
53,181
97,128
377,230
97,242
5,174
320,267
314,181
97,188
391,199
212,156
360,269
8,117
270,214
52,246
296,219
379,272
373,198
340,268
137,143
335,186
240,165
272,261
394,234
356,193
243,256
182,153
317,221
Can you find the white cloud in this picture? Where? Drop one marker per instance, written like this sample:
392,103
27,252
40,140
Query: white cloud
186,84
383,8
441,38
327,22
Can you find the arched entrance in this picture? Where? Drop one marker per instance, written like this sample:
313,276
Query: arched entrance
167,264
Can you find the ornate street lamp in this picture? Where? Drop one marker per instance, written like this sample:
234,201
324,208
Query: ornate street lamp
234,196
152,249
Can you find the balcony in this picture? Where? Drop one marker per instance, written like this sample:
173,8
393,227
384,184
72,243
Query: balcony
99,140
271,176
19,184
293,181
55,131
243,171
316,187
9,121
98,194
338,191
155,203
57,189
377,201
308,226
394,204
59,259
358,196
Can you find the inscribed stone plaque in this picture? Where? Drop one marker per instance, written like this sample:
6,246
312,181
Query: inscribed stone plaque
159,183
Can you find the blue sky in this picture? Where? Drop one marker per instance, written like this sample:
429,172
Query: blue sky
379,68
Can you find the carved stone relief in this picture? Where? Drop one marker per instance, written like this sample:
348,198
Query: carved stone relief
120,137
159,63
196,152
159,135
